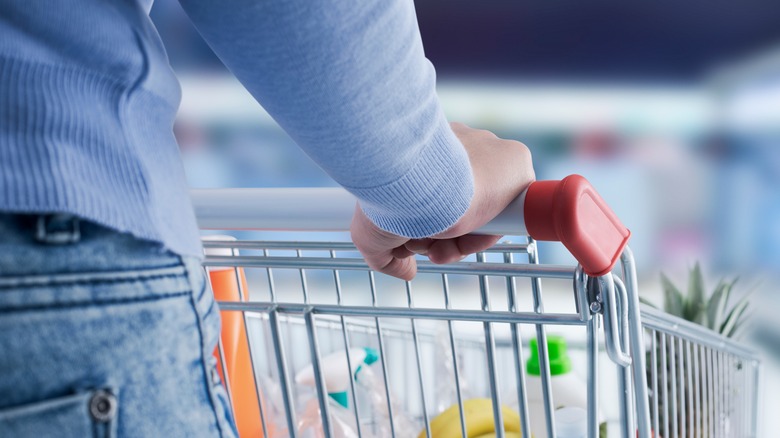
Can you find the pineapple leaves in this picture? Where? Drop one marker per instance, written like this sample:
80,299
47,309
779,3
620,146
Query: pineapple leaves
713,312
647,303
716,308
734,319
673,298
693,306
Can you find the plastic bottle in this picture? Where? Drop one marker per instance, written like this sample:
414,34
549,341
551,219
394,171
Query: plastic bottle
224,283
368,384
567,389
571,422
335,374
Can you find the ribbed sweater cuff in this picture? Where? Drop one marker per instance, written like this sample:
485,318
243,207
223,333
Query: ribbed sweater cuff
428,199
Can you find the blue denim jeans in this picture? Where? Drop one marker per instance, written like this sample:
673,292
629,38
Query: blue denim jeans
103,334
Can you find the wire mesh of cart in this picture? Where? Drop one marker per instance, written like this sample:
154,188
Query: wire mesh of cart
455,332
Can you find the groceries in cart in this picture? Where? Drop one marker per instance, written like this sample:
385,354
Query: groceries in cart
478,416
568,390
337,381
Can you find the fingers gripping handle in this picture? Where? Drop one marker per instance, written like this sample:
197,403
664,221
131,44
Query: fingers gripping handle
571,212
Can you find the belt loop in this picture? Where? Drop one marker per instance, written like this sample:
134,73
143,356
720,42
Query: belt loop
58,229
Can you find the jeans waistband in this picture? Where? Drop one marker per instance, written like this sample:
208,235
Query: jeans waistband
32,244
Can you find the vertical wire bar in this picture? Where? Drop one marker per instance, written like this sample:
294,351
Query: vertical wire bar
723,392
281,357
689,386
322,392
714,395
305,293
756,377
730,392
721,397
728,396
638,367
593,384
490,347
541,342
624,373
710,396
745,397
244,296
419,362
697,390
517,349
585,298
734,395
673,370
665,384
281,364
304,283
339,298
681,384
381,339
458,392
221,351
741,387
718,394
705,393
748,407
733,385
654,376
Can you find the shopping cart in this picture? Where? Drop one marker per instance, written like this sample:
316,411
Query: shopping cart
300,301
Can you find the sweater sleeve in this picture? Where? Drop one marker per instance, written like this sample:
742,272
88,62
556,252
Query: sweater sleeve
349,81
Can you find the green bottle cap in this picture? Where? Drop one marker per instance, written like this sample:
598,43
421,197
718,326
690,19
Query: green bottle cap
371,355
560,362
340,398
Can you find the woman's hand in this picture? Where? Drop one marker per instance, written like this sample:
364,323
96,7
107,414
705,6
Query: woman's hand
502,169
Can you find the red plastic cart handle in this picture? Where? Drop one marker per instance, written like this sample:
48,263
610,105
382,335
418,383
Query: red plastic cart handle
571,212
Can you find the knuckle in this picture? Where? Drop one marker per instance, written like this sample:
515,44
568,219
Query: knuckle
522,149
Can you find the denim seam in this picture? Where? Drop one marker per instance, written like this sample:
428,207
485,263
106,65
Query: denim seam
54,282
77,304
204,354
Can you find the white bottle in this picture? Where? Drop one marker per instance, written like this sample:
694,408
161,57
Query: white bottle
335,372
566,388
336,376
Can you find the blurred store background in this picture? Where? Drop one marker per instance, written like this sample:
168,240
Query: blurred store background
671,109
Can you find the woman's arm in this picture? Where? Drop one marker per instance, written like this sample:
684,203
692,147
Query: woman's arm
348,80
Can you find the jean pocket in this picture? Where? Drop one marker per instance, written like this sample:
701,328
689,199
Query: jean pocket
85,414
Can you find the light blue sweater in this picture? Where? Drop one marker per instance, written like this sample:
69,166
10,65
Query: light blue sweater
88,100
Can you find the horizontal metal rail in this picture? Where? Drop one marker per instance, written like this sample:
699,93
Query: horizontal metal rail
356,264
405,312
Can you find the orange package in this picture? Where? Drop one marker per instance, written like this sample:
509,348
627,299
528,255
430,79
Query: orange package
236,349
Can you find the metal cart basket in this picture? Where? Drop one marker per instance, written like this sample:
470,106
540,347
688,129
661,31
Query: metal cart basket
461,328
